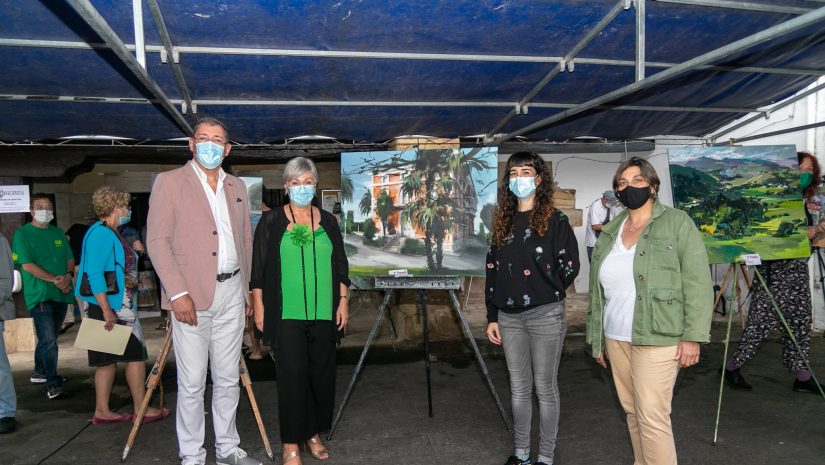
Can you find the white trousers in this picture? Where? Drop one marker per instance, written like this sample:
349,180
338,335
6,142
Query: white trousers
215,340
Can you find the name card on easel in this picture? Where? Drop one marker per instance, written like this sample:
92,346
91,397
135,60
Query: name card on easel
752,259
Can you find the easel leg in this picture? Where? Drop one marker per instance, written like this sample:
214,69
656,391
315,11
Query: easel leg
722,287
422,301
821,268
392,324
151,384
724,361
247,383
481,363
360,363
788,329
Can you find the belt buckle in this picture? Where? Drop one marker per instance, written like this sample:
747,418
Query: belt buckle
225,276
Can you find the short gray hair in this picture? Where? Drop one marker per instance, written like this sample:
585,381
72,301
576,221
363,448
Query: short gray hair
297,167
209,121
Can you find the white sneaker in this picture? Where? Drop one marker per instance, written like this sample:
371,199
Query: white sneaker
237,457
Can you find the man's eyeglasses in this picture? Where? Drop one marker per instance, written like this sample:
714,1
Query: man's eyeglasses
217,140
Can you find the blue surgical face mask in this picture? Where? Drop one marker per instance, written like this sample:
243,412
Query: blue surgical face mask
210,154
301,195
121,220
523,187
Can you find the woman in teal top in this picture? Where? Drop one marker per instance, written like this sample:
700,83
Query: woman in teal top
299,290
104,250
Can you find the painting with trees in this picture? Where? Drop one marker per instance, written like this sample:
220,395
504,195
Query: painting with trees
742,199
428,211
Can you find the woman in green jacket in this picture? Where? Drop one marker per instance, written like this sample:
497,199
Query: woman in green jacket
650,306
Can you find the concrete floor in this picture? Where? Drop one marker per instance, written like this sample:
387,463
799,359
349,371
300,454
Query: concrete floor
386,419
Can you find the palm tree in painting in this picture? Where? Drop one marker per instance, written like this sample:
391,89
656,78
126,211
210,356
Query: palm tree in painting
384,208
430,186
365,205
347,189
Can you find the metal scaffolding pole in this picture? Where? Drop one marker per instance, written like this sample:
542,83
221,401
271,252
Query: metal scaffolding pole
102,28
356,103
140,43
787,27
567,61
173,56
183,49
766,113
640,39
743,6
770,134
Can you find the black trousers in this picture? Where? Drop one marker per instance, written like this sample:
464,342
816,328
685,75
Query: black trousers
306,378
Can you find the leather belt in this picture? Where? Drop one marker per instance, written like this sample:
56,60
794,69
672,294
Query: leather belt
224,276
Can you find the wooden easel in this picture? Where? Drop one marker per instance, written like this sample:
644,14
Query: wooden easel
154,380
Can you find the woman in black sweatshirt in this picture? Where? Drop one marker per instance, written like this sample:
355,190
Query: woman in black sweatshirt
534,257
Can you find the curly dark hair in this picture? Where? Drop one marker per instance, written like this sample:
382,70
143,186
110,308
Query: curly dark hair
810,191
543,207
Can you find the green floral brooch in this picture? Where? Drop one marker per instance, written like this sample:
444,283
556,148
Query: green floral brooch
301,235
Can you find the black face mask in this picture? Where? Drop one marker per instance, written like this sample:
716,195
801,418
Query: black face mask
633,197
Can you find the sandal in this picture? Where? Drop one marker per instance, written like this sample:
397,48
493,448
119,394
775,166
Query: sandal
291,456
322,454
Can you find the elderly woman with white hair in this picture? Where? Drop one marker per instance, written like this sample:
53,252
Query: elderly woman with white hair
300,297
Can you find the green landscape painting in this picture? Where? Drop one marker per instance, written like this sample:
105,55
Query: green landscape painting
743,200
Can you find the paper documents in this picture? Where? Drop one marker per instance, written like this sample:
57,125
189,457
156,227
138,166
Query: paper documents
93,336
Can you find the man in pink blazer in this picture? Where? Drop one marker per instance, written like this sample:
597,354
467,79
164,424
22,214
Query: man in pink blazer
200,243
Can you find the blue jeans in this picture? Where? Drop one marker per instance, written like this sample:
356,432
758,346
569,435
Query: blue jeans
8,398
532,342
48,316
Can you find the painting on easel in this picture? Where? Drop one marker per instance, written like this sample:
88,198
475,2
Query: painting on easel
426,211
743,200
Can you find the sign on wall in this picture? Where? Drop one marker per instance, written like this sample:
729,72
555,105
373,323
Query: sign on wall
14,199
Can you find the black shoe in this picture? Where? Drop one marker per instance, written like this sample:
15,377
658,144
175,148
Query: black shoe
513,460
735,380
7,425
56,392
806,386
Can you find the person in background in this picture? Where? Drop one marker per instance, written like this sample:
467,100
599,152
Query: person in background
600,213
75,234
8,397
42,250
104,249
132,238
256,347
301,308
788,281
533,259
650,300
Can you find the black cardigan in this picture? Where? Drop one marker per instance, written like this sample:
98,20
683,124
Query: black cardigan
266,266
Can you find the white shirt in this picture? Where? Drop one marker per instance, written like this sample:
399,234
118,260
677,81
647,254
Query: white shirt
596,215
227,255
616,279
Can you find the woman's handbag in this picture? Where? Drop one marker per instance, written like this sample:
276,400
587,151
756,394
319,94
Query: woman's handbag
111,284
111,276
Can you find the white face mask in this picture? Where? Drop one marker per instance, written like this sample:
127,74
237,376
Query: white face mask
43,216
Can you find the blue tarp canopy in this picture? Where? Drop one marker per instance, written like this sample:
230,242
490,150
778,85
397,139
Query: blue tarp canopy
373,70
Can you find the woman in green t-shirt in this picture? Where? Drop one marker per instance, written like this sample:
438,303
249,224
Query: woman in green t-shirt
300,295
